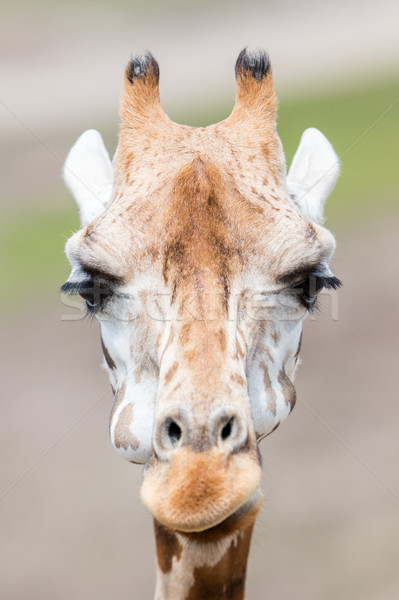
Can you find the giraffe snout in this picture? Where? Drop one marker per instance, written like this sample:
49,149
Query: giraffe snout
225,429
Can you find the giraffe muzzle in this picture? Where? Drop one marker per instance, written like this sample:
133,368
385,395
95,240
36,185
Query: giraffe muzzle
225,429
202,470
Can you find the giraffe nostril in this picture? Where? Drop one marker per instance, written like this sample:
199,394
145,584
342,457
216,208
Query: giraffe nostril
173,431
230,429
170,432
227,430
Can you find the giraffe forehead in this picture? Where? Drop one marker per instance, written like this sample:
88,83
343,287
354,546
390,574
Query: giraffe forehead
199,243
192,222
184,180
200,224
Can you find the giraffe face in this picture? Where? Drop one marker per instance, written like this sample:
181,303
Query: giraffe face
200,271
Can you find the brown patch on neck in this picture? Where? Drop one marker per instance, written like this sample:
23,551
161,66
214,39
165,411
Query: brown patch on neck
226,579
288,389
167,546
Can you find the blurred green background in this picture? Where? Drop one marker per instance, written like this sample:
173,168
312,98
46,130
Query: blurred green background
72,523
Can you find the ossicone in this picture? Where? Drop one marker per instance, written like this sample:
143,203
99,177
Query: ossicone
254,112
253,61
140,103
142,65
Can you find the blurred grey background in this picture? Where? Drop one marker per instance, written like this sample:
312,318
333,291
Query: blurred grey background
71,520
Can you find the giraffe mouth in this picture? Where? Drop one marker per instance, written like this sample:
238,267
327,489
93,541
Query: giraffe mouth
198,491
253,503
243,515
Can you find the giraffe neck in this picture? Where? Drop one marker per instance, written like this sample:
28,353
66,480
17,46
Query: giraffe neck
210,564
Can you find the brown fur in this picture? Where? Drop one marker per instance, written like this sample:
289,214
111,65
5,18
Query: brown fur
288,389
236,378
191,574
275,335
185,331
271,394
140,100
226,579
169,341
167,546
107,356
221,336
200,489
170,373
123,437
256,98
240,353
198,242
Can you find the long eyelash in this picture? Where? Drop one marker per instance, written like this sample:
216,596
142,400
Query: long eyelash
76,287
81,287
90,312
326,282
330,283
314,309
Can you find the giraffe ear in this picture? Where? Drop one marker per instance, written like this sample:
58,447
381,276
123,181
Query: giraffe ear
88,175
313,174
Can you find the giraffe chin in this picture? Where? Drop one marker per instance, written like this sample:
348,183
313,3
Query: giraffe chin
197,491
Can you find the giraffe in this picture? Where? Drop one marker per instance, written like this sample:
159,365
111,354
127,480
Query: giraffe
200,257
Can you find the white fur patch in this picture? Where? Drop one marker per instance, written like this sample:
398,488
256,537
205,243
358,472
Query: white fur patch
141,395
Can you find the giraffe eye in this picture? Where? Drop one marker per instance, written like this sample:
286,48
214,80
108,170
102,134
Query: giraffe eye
308,290
95,293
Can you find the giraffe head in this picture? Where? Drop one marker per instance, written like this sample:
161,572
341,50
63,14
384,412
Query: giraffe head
200,258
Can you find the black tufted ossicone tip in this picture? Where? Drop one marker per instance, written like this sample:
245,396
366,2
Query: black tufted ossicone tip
256,61
140,65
